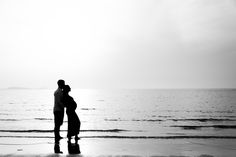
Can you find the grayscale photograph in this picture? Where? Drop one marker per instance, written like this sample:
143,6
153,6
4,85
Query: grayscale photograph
122,78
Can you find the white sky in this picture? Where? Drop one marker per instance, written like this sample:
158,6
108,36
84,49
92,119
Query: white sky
118,44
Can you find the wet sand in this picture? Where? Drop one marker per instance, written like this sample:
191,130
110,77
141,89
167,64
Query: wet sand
121,147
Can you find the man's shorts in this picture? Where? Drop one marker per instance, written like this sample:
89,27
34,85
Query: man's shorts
58,118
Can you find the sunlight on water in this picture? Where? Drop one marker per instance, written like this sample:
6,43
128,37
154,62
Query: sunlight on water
126,113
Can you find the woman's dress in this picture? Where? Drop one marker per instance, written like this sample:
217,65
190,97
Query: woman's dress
73,119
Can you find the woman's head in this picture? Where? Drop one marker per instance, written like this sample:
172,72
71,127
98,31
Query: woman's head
66,88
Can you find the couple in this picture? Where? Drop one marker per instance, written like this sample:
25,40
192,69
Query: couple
62,99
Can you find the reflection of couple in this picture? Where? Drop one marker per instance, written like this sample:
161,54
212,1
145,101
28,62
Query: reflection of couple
63,99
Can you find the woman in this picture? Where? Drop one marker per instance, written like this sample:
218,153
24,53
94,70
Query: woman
73,119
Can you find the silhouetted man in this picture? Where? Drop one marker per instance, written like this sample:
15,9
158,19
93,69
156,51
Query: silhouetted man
58,109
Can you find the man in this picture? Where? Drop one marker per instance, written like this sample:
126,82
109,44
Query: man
58,109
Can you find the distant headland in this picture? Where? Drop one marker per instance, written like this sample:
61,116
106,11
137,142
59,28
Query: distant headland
18,88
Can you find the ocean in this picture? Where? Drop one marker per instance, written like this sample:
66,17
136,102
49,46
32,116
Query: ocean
126,113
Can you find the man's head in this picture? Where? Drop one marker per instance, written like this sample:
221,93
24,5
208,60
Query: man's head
61,83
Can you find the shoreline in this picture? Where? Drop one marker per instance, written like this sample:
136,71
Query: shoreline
121,147
129,137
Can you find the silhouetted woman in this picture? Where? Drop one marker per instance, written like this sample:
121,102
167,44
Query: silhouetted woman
73,119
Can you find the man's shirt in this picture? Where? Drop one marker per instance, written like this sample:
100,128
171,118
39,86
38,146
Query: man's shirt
58,96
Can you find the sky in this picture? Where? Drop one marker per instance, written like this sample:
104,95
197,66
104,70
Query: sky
118,43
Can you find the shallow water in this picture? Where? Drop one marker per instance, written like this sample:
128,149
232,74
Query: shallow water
148,113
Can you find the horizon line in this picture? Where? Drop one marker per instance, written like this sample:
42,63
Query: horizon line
124,88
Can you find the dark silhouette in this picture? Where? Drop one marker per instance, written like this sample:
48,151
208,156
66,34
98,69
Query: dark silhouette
73,119
57,148
73,148
58,110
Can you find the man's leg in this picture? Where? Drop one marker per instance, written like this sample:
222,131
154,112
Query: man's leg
58,120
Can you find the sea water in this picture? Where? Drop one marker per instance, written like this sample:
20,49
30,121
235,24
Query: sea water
130,113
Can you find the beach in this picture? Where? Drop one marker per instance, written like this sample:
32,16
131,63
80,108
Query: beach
121,147
148,122
146,78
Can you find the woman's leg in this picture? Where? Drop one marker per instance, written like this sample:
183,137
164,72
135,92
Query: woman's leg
76,138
